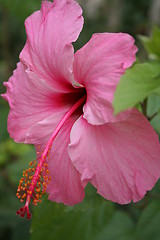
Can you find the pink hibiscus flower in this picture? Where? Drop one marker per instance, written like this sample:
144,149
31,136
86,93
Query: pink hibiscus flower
62,103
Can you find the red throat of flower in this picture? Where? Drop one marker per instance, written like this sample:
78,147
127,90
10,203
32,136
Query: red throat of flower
35,179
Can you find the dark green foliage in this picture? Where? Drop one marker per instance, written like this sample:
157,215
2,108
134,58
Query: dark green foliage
92,221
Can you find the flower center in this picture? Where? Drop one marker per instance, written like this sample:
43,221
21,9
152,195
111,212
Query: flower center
36,178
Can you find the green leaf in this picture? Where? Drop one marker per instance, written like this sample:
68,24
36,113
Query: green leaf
155,122
136,84
87,221
120,227
152,45
153,105
54,221
153,111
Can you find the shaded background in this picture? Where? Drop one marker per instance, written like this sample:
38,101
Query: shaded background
95,218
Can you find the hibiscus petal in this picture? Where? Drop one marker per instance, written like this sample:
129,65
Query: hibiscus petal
48,50
122,160
98,66
31,100
41,131
66,185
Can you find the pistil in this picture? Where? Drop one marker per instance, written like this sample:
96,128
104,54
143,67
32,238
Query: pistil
34,182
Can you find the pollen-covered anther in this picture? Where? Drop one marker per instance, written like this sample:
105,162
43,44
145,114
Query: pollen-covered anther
32,185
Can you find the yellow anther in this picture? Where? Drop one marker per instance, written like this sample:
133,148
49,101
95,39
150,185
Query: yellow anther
24,196
37,196
29,192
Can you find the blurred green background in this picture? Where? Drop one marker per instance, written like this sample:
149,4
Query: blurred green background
95,218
